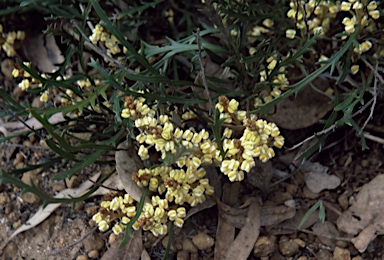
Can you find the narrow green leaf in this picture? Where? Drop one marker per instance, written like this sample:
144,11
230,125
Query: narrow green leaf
85,161
309,212
305,81
128,229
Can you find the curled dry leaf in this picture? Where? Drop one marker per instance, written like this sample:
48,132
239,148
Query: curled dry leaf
365,216
317,178
127,161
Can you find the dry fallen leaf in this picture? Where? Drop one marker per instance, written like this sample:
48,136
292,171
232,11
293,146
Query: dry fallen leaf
225,232
43,52
317,178
127,161
246,239
365,216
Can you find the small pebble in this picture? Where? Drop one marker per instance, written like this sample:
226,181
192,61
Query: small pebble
299,242
8,209
341,254
16,224
93,254
343,201
58,186
112,238
73,182
4,198
19,158
203,241
182,255
91,210
82,257
288,248
264,246
324,254
189,246
365,163
93,243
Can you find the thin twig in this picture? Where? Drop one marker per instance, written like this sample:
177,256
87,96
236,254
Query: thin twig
374,70
74,243
325,131
19,119
374,94
205,83
374,138
332,127
314,233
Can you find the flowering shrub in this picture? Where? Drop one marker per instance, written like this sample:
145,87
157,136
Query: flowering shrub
148,92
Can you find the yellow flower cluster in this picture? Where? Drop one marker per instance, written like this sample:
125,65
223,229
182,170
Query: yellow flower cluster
256,141
100,34
280,82
182,180
27,80
176,184
7,40
57,95
155,215
325,12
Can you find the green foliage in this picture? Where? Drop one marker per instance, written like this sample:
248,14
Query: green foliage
318,205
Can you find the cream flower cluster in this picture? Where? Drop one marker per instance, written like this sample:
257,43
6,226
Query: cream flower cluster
119,211
58,95
176,184
256,141
325,11
280,83
100,34
7,40
182,179
28,81
192,149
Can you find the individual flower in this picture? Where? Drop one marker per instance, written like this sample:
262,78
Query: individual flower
354,69
290,33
